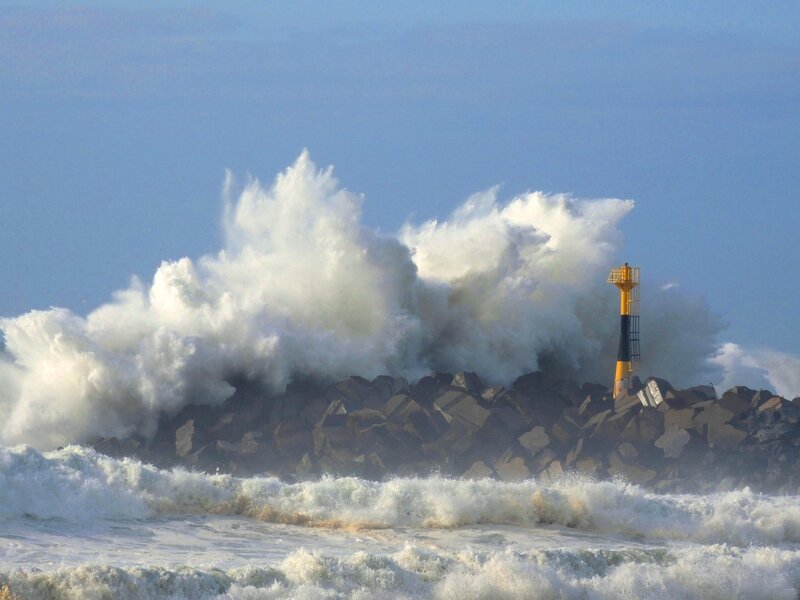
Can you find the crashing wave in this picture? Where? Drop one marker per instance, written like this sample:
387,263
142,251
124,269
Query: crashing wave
710,572
77,483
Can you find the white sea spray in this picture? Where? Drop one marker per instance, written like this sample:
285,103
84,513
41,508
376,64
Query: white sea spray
302,288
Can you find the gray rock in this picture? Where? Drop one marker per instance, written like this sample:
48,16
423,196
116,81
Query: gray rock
631,472
293,438
305,467
610,428
742,393
543,458
333,431
625,401
490,393
399,407
627,451
205,457
565,431
777,431
673,441
654,392
760,397
707,392
595,420
469,381
512,468
682,417
388,386
425,390
516,401
727,484
737,404
588,465
771,405
722,435
426,425
714,414
593,405
573,454
535,439
250,455
354,393
644,428
554,470
462,407
313,411
188,439
790,412
478,470
530,384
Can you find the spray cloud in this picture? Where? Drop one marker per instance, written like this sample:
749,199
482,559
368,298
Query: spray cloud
301,287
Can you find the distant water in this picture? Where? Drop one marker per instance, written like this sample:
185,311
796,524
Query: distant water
75,524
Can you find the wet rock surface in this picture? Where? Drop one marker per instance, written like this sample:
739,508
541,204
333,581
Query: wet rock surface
656,436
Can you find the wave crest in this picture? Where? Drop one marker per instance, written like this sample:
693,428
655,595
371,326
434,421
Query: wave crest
77,483
711,572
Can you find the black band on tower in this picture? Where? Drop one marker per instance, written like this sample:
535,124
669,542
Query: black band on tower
624,354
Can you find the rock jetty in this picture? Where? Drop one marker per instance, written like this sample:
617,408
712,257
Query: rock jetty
666,439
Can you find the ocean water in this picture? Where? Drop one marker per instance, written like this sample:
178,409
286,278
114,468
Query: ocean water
75,524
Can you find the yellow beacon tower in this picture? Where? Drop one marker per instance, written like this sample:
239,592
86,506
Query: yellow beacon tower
626,278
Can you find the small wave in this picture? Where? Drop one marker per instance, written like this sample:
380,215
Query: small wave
711,572
77,484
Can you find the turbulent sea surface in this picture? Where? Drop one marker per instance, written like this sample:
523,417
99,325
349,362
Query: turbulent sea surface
76,524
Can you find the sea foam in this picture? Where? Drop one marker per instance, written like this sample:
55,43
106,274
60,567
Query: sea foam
77,484
717,572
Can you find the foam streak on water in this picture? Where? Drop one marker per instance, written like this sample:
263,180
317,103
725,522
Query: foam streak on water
77,524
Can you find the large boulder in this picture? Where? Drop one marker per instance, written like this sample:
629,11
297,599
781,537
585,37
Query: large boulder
673,441
478,470
654,392
468,381
681,417
625,401
574,453
426,390
354,393
724,436
189,437
540,462
463,408
292,438
399,407
388,386
644,428
714,415
632,472
251,454
777,431
516,401
565,430
737,401
741,394
510,467
534,440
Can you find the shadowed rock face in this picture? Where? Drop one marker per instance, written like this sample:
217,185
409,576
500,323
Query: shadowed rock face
656,436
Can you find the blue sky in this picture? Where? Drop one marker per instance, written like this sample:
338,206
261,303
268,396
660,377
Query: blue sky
119,118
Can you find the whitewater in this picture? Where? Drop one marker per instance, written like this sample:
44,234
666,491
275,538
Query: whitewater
77,524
